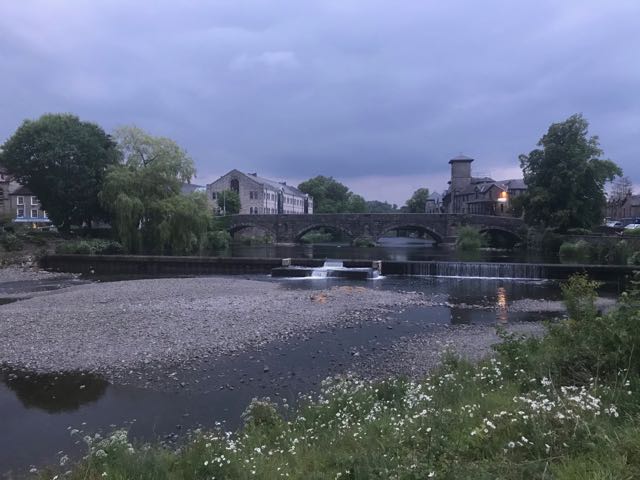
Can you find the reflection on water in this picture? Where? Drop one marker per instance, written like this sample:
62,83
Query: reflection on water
501,305
54,393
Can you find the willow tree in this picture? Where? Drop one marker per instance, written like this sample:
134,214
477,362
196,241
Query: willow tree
143,195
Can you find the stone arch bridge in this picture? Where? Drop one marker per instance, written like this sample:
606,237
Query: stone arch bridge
442,227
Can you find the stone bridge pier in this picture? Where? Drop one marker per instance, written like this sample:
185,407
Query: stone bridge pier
442,227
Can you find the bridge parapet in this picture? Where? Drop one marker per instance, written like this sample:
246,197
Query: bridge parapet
290,228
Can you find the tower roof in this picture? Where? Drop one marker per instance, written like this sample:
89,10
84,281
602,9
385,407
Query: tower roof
461,158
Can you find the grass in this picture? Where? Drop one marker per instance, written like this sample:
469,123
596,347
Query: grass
566,406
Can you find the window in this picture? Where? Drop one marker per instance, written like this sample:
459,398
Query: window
20,213
44,214
34,213
20,200
34,200
214,195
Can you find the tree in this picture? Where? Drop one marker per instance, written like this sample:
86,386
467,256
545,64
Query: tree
331,196
375,206
622,188
229,202
356,204
62,160
418,201
565,177
143,195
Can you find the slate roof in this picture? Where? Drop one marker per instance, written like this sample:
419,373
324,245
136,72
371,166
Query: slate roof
22,191
276,185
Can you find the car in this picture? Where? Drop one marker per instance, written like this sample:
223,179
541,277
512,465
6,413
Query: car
613,224
632,226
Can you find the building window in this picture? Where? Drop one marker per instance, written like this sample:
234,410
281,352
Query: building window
20,200
20,213
34,200
34,213
214,195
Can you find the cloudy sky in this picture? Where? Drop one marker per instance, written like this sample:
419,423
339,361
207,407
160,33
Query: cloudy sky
378,94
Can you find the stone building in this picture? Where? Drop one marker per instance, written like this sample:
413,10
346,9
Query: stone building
7,185
478,195
626,209
27,208
259,196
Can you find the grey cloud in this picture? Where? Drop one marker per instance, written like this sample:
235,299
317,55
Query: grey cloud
349,88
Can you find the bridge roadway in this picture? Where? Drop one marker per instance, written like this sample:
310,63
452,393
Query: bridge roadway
442,227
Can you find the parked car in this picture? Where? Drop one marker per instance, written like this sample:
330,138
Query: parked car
613,224
632,226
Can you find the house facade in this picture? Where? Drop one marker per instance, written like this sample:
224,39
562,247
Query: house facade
478,195
259,196
626,209
27,208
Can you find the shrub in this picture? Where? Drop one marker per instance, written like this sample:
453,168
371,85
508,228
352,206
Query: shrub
317,237
11,242
579,251
363,243
550,242
470,238
91,247
579,231
218,240
634,259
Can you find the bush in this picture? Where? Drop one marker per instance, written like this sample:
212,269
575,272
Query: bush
11,242
579,231
91,247
363,243
317,237
579,251
550,242
470,238
218,240
634,259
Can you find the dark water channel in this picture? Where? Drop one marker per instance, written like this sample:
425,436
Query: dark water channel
38,411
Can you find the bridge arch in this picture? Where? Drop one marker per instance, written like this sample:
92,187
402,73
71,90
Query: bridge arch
238,227
335,228
501,237
411,226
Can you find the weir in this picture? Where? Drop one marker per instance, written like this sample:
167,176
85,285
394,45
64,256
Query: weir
329,269
174,266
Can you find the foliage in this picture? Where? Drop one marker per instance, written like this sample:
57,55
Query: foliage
218,240
566,178
375,206
144,196
579,231
579,251
95,246
229,202
621,189
331,196
317,237
11,242
363,243
634,259
470,239
418,201
62,160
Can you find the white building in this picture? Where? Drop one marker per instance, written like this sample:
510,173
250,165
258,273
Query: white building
259,196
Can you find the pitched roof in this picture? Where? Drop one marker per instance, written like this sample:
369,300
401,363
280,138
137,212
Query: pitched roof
276,185
191,187
22,191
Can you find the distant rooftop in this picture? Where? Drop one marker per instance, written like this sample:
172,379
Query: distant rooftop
461,158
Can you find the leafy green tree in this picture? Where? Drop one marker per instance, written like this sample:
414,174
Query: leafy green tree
356,204
566,178
331,196
143,195
229,202
63,161
418,201
375,206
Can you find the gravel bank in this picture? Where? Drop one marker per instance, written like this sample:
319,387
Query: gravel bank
416,356
26,274
110,328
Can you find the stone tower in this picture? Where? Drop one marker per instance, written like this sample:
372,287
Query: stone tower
460,173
